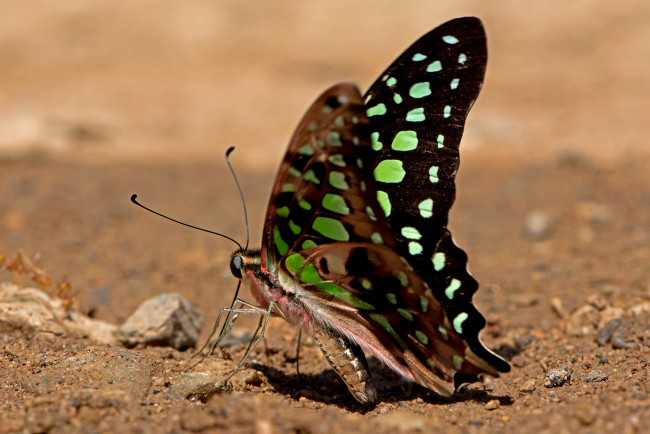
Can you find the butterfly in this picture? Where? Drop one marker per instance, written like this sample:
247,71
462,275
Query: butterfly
355,247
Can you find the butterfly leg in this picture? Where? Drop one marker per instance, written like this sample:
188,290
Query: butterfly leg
233,314
257,337
230,319
298,352
348,362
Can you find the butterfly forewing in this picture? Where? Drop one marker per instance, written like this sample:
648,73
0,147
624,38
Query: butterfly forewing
323,192
417,111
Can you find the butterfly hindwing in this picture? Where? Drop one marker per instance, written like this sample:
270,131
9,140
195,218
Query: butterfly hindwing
373,296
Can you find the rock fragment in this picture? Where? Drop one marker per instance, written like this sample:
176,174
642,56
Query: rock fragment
165,320
596,376
557,377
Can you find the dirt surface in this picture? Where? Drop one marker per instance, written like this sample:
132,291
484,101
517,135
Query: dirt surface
101,101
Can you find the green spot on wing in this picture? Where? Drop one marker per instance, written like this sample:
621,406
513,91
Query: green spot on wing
426,208
434,66
403,278
443,332
424,304
391,297
421,337
390,171
309,274
405,314
454,83
377,110
391,81
440,140
283,212
454,285
279,242
404,141
294,172
384,202
366,283
306,149
415,248
419,57
416,115
446,112
420,90
433,174
382,321
337,180
339,121
294,262
337,291
287,188
450,39
333,138
294,227
457,361
438,261
335,203
376,238
374,141
398,98
337,160
458,322
330,228
311,176
411,233
304,204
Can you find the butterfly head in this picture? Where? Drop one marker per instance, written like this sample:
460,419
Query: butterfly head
243,261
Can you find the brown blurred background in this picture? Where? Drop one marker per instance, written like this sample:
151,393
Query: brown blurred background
102,99
171,81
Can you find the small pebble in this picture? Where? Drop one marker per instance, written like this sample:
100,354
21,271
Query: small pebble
537,224
605,334
558,308
254,379
557,377
596,376
492,404
528,386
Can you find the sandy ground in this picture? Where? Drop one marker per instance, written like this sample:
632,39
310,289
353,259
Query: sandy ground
101,100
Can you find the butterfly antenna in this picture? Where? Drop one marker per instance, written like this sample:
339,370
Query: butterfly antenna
133,199
241,195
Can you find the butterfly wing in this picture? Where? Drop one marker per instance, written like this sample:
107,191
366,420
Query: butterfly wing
371,295
417,110
361,201
324,193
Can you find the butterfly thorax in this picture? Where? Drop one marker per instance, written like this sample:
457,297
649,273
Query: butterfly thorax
267,287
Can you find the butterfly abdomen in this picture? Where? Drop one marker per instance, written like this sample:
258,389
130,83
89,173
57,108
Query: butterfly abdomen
348,361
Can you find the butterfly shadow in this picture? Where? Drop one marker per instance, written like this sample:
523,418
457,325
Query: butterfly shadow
326,387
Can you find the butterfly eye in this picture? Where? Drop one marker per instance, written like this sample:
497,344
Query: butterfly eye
236,264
